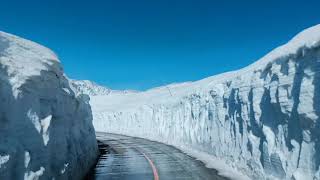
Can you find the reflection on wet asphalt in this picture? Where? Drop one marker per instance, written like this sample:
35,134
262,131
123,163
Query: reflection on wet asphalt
130,158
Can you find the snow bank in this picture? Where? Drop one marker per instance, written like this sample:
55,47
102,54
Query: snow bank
46,130
262,120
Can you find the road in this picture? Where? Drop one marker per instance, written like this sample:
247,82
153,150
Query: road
130,158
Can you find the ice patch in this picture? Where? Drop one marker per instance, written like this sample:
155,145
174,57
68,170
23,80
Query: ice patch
45,124
27,159
4,159
42,125
65,166
30,175
34,119
66,90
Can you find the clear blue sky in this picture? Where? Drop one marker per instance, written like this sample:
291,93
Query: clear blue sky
139,44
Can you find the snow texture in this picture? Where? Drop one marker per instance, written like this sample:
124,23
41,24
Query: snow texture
43,124
262,120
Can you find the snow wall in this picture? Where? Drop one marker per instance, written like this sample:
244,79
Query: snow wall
262,120
46,130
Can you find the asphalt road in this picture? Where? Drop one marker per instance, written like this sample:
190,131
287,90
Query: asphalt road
130,158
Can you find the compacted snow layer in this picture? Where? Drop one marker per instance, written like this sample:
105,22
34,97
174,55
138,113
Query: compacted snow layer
262,120
46,130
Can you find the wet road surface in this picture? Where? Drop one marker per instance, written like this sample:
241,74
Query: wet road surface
130,158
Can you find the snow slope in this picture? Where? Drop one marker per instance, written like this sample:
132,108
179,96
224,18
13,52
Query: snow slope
262,120
46,130
93,89
90,88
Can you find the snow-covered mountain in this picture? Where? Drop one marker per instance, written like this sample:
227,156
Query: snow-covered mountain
90,88
262,120
46,130
93,89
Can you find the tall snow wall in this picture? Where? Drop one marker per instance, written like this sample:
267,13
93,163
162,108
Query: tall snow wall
262,120
46,130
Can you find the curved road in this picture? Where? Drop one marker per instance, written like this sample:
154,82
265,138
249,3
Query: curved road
130,158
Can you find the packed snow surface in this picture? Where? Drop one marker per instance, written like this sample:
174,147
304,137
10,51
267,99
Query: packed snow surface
46,130
262,120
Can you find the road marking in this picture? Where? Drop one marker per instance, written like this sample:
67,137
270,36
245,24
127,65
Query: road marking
154,169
